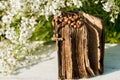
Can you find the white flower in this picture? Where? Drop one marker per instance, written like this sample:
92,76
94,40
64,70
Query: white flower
79,4
35,6
52,10
1,61
1,31
32,22
11,34
18,5
7,19
1,6
69,3
11,60
96,2
75,2
26,29
24,20
2,54
107,6
61,3
9,13
54,5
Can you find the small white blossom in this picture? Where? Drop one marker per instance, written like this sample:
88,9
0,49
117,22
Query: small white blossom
54,5
96,2
11,34
7,19
69,3
11,61
75,2
26,29
1,6
18,5
79,4
2,31
32,22
107,6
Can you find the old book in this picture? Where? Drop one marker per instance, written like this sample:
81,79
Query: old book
80,41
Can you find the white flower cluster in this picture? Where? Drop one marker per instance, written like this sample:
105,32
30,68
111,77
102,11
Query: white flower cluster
107,6
23,8
18,20
26,29
13,56
11,34
110,6
53,7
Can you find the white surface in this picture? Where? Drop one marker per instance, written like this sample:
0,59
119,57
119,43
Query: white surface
47,68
